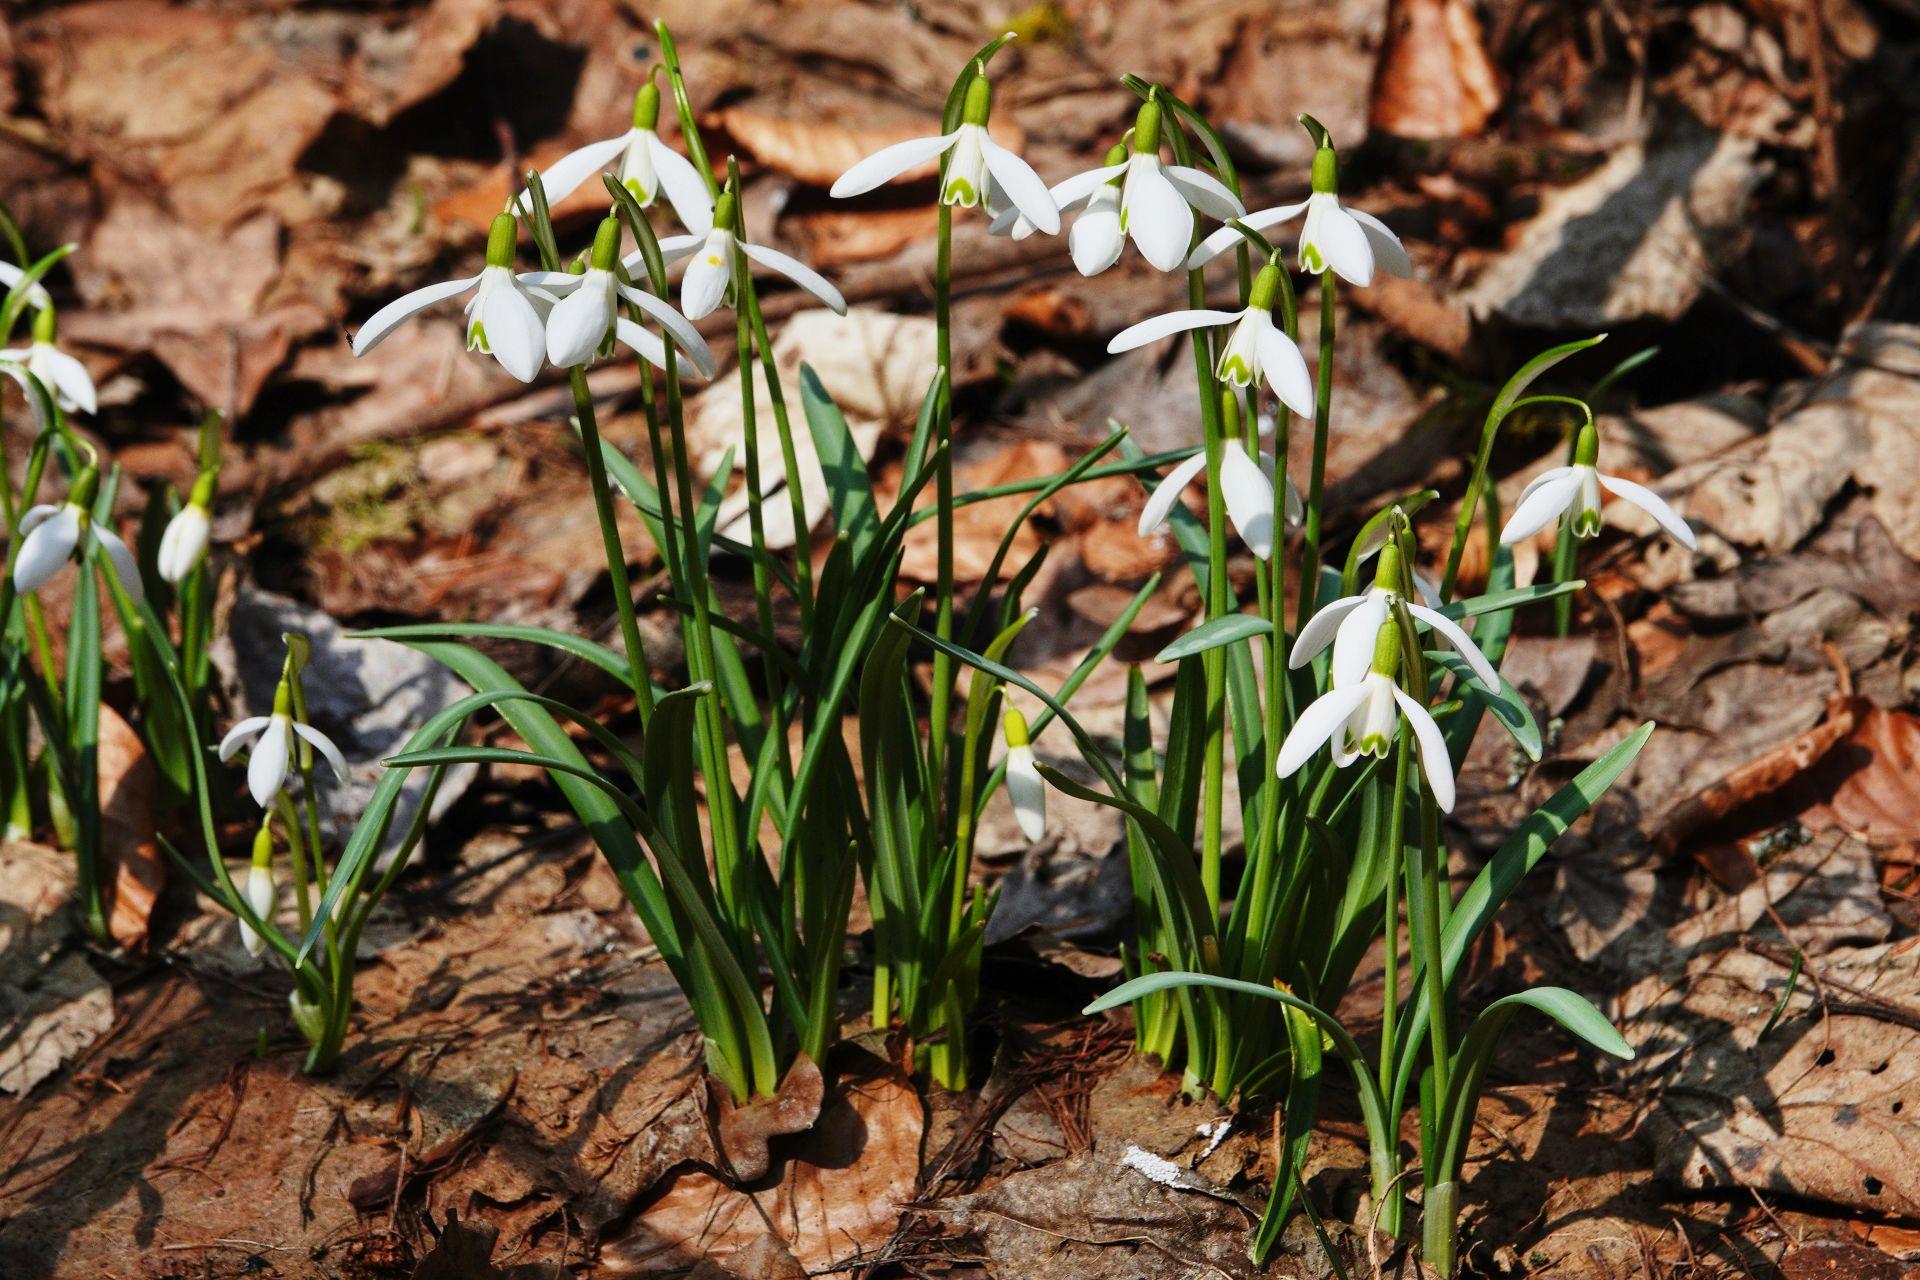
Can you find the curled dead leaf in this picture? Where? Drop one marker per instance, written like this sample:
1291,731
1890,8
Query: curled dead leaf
1434,78
745,1131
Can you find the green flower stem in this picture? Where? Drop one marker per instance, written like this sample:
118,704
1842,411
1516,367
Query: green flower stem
941,708
310,790
297,857
1389,1198
610,542
1322,412
789,458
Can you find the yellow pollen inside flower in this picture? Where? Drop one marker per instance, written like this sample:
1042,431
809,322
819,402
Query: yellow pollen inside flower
713,259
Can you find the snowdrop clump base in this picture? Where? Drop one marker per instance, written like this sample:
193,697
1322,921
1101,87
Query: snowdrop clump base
1310,700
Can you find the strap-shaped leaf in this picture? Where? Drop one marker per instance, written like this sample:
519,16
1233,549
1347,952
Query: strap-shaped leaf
1231,629
1506,706
849,490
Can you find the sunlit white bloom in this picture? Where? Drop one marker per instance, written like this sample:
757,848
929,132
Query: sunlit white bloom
260,890
979,171
505,317
184,544
1025,788
1246,486
1576,490
64,377
647,165
1153,203
54,536
272,736
1353,625
1363,718
586,319
1352,243
712,257
1258,350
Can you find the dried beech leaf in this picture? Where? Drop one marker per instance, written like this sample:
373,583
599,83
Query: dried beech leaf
745,1131
1434,78
135,865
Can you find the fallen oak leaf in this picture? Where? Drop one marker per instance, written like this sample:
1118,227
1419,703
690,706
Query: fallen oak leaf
744,1131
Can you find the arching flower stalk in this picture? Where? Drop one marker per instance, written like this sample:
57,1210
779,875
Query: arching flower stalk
1575,491
1246,486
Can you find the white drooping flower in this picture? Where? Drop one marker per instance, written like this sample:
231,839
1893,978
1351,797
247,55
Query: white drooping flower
506,317
1259,350
1362,718
1025,788
587,318
64,377
1352,243
1153,202
709,277
260,888
54,536
980,173
1576,490
1246,486
1352,624
648,166
184,543
273,739
37,295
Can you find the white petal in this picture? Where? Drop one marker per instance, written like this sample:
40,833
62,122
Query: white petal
1389,254
514,331
798,272
1462,644
405,307
1434,761
71,381
559,283
184,544
1167,492
1249,498
889,163
36,516
1296,509
1344,245
577,327
1227,237
1545,477
685,188
574,168
11,275
1654,505
1320,629
260,897
267,769
641,341
672,250
1081,186
1205,192
1157,217
684,335
1286,369
1021,185
1542,505
1319,722
704,286
125,567
1028,791
238,735
1354,643
1154,328
47,549
18,372
324,745
1096,240
1010,222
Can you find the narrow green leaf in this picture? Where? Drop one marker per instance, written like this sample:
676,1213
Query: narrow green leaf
1212,635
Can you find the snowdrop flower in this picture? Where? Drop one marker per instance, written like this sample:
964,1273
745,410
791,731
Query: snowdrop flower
1024,785
1246,486
1353,243
709,278
979,171
1576,490
1153,203
64,377
54,536
505,317
1353,625
587,321
1362,718
272,761
183,546
648,166
10,278
260,888
1259,349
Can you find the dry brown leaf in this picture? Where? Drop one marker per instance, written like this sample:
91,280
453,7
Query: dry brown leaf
52,1003
128,841
1869,778
978,527
1434,78
835,237
839,1193
1761,776
745,1130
